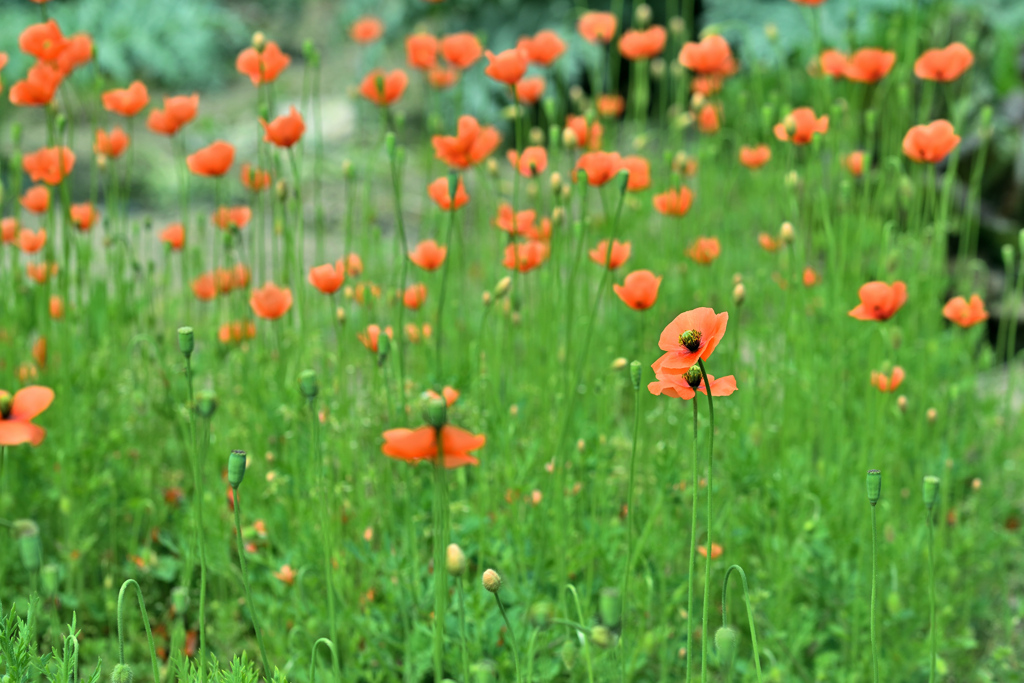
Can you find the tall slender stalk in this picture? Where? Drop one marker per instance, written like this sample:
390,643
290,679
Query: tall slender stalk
440,576
453,183
930,493
396,186
635,371
707,567
694,485
874,485
145,622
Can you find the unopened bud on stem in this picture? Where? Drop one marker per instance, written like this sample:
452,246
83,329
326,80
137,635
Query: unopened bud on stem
930,491
874,483
308,384
492,580
236,468
186,341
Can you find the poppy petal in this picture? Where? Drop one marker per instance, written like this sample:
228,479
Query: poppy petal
31,401
16,432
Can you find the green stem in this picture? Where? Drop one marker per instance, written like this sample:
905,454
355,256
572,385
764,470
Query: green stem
462,628
874,587
707,565
629,528
312,657
511,635
145,622
325,521
267,671
198,515
750,612
931,596
397,189
693,553
440,575
439,332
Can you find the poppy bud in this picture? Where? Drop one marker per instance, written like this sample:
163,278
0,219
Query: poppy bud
487,298
642,15
541,613
739,293
930,491
308,384
569,138
771,32
501,289
693,376
635,373
676,26
281,190
556,182
492,580
575,93
623,175
435,412
786,233
536,136
874,486
619,363
6,403
455,560
206,403
484,672
186,341
122,673
492,167
383,349
308,49
27,533
610,606
931,414
658,68
259,41
339,315
901,403
725,644
601,636
347,170
568,653
236,468
554,135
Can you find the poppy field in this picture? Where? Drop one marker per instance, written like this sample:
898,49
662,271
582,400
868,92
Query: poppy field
614,350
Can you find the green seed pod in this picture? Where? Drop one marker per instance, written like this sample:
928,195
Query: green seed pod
874,486
601,636
27,533
635,372
236,468
690,339
435,412
186,341
568,653
930,491
206,403
726,640
693,376
122,674
610,606
623,175
308,384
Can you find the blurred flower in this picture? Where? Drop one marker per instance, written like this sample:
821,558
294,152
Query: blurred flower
888,383
639,173
704,250
421,51
174,235
262,66
470,146
639,290
213,160
414,296
226,217
642,44
328,278
944,64
126,101
49,164
366,30
755,157
461,50
371,336
711,56
285,574
879,300
270,302
532,163
30,242
931,143
543,48
674,202
38,88
855,163
869,65
597,27
428,255
612,258
83,215
285,130
17,413
36,199
587,135
800,126
112,144
529,90
965,314
384,88
600,167
525,256
507,66
177,112
424,443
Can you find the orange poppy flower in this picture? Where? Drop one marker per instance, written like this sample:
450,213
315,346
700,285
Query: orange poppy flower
810,277
56,307
964,314
236,332
414,445
611,106
800,126
526,256
39,348
44,41
639,173
49,164
833,63
83,215
174,235
224,280
755,157
38,88
366,30
439,191
677,386
674,202
384,88
541,232
543,48
414,296
126,101
450,395
17,413
532,163
262,67
270,302
855,163
523,221
439,77
240,276
529,90
370,337
507,66
36,199
637,44
461,50
706,85
931,143
353,265
227,217
421,51
600,167
31,242
77,51
587,136
711,56
254,179
428,255
470,146
869,65
716,550
112,144
767,242
808,3
8,230
328,278
177,112
690,336
40,272
944,64
285,130
285,574
620,252
639,290
214,160
879,300
888,383
597,27
205,287
707,119
704,250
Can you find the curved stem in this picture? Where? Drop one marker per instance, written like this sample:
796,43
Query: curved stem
629,530
145,622
267,671
750,612
693,552
707,565
586,645
312,657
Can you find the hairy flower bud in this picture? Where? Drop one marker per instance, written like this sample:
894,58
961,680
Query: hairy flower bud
786,233
610,606
122,673
259,41
739,293
725,644
491,580
501,289
455,560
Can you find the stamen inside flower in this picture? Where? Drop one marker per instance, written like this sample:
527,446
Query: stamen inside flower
690,339
693,376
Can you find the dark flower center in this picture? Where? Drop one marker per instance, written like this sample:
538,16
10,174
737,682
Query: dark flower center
690,339
6,403
693,376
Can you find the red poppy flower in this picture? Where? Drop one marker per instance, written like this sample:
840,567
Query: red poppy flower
213,160
428,255
353,265
111,145
704,250
174,235
38,88
126,101
879,300
677,386
236,332
77,51
441,78
270,302
384,88
931,143
944,64
716,550
600,167
286,574
49,164
532,163
36,199
205,287
800,126
8,230
755,157
691,335
869,65
370,338
240,276
177,112
44,41
611,106
620,252
470,146
40,272
833,63
254,179
544,48
440,192
262,67
707,119
674,202
421,51
414,296
964,314
639,173
529,90
888,383
526,256
56,307
17,413
639,290
366,30
587,136
507,66
597,27
414,445
643,44
855,163
767,242
520,225
83,215
227,217
810,277
285,130
328,278
461,50
31,242
706,85
711,56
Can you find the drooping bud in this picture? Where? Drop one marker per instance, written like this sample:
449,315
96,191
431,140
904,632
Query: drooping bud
484,671
739,294
492,580
281,190
690,339
308,384
501,289
435,412
259,41
236,468
930,491
206,403
642,15
874,486
122,673
786,233
541,612
556,182
601,636
27,533
186,341
725,644
693,376
569,138
455,560
6,403
619,363
610,606
339,315
635,373
931,414
487,298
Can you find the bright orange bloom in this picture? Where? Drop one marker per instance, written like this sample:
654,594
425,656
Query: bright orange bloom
213,160
126,101
800,125
285,130
810,277
449,394
600,167
366,30
833,63
808,3
597,27
964,314
855,163
177,112
38,88
36,199
414,445
227,217
888,383
587,136
931,143
470,146
353,265
384,88
620,252
611,106
507,66
704,250
328,278
767,242
49,164
112,144
524,220
707,119
270,302
529,90
639,173
716,550
31,242
236,332
174,235
690,336
262,67
8,230
77,51
83,215
56,307
205,287
706,85
461,50
40,272
285,574
869,65
439,77
674,202
428,255
370,338
639,290
544,48
240,276
879,300
17,413
944,64
45,41
755,157
636,44
421,51
711,56
440,192
525,256
254,179
414,296
676,386
39,348
532,163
